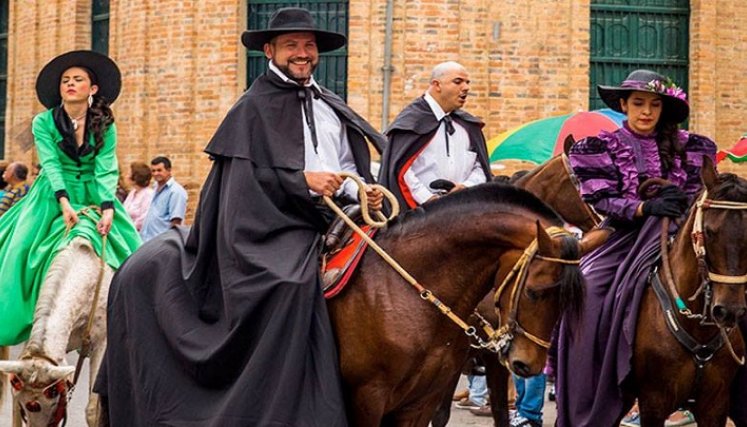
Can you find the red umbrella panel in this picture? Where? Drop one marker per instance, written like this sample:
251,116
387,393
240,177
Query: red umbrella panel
737,153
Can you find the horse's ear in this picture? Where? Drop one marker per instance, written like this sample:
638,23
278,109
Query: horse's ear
708,173
594,238
11,366
544,241
568,143
58,372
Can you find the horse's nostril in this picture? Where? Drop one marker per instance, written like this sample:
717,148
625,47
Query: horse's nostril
724,316
521,368
33,406
740,313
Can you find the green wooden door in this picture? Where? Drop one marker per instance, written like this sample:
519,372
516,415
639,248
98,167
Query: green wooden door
3,70
330,15
631,34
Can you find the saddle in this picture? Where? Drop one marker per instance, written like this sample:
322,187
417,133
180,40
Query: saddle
342,251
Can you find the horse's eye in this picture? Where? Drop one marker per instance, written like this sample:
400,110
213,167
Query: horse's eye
532,294
708,232
16,383
51,392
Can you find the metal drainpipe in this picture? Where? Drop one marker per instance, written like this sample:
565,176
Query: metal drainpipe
387,68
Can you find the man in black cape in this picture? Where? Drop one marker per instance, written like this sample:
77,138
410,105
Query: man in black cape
229,327
434,146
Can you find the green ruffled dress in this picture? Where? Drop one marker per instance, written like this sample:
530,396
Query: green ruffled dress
33,230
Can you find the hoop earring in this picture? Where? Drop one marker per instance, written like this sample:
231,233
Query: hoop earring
90,101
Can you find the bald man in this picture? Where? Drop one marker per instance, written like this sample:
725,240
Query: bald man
434,146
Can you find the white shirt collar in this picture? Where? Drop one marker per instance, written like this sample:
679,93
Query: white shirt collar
287,79
435,107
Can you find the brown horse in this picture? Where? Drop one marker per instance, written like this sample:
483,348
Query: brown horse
555,184
399,354
666,374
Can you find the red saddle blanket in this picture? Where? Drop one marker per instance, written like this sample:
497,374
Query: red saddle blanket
339,266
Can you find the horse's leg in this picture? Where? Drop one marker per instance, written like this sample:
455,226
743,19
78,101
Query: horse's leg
652,420
411,417
497,377
93,409
443,412
653,414
366,406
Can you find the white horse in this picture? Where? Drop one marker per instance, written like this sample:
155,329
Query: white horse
41,379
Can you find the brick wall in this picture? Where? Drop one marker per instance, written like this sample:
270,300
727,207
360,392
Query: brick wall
182,65
526,59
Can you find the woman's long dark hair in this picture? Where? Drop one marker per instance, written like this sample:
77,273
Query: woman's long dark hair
100,116
668,144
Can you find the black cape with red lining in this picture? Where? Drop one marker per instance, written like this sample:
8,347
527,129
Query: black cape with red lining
410,132
226,325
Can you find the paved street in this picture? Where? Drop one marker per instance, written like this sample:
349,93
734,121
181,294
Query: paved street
459,417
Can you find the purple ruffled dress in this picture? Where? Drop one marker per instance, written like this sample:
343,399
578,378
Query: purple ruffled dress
594,353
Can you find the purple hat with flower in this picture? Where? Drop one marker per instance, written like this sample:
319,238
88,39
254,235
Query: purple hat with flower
675,108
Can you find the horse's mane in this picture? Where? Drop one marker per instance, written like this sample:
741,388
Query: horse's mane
731,188
65,260
480,198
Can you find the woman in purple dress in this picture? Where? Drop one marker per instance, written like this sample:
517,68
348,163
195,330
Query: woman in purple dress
594,357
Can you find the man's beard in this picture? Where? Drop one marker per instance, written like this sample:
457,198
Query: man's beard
298,79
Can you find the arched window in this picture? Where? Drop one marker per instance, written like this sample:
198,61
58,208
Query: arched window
100,26
631,34
331,15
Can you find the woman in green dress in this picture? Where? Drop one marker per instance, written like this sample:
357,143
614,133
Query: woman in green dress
76,143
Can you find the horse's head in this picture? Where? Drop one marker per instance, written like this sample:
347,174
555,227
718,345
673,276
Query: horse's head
547,283
39,389
720,242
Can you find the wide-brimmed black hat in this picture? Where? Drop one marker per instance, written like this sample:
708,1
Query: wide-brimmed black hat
675,105
292,20
107,76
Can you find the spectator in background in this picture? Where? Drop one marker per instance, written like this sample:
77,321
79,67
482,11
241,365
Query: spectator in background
15,177
139,198
169,203
3,183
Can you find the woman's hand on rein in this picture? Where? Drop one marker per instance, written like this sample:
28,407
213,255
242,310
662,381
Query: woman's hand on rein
68,213
105,223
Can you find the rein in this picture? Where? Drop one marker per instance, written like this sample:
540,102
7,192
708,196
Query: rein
496,339
707,276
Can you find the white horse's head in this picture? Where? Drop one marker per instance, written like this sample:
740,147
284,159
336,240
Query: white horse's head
39,389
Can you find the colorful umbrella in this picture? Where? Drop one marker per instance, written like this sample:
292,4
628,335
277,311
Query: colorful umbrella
540,140
737,153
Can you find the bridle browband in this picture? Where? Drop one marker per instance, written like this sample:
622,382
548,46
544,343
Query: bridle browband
698,237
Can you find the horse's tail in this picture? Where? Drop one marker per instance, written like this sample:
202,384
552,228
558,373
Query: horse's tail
4,355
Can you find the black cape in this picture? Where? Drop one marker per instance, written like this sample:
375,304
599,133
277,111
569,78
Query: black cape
411,130
227,326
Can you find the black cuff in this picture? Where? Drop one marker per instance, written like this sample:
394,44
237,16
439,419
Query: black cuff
60,194
107,205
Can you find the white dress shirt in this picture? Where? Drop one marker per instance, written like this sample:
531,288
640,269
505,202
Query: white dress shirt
333,153
460,165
